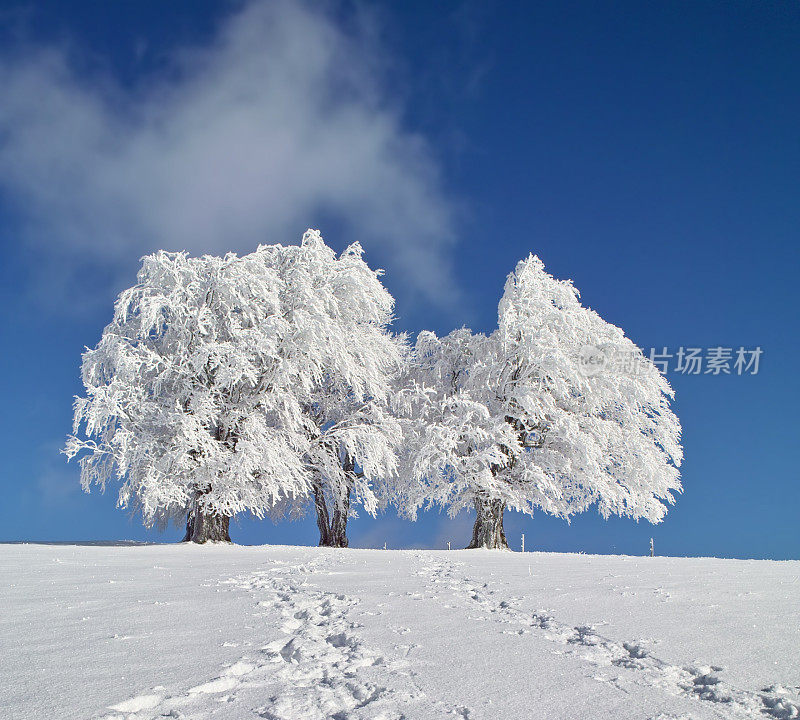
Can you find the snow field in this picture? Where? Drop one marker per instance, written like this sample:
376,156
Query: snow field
138,633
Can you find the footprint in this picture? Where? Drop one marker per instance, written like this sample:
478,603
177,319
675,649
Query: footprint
135,704
215,686
238,669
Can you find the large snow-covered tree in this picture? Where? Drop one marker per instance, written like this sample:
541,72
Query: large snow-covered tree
186,395
240,384
517,419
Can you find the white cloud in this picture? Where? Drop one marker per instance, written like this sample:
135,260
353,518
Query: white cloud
280,120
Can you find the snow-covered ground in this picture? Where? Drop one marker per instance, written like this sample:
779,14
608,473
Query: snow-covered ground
290,632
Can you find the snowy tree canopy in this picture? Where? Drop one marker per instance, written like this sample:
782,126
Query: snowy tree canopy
233,384
515,419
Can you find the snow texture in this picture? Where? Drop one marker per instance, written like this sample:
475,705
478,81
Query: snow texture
282,633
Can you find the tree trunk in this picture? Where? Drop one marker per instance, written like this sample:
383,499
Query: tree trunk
203,527
333,526
323,519
339,523
488,529
333,532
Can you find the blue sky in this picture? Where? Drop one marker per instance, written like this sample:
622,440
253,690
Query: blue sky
647,150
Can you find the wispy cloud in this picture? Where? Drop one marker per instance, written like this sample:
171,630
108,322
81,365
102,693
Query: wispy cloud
281,119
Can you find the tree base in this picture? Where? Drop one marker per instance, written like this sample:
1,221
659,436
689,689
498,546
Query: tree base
202,528
488,529
334,534
334,542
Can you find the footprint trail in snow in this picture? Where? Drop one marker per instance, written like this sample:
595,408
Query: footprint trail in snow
698,682
320,668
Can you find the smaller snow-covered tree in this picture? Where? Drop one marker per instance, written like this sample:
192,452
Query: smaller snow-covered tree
453,440
516,420
343,312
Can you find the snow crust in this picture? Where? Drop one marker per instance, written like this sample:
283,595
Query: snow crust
289,632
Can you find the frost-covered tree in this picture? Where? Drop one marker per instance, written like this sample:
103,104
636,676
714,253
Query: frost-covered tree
186,395
345,313
453,441
227,385
517,419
